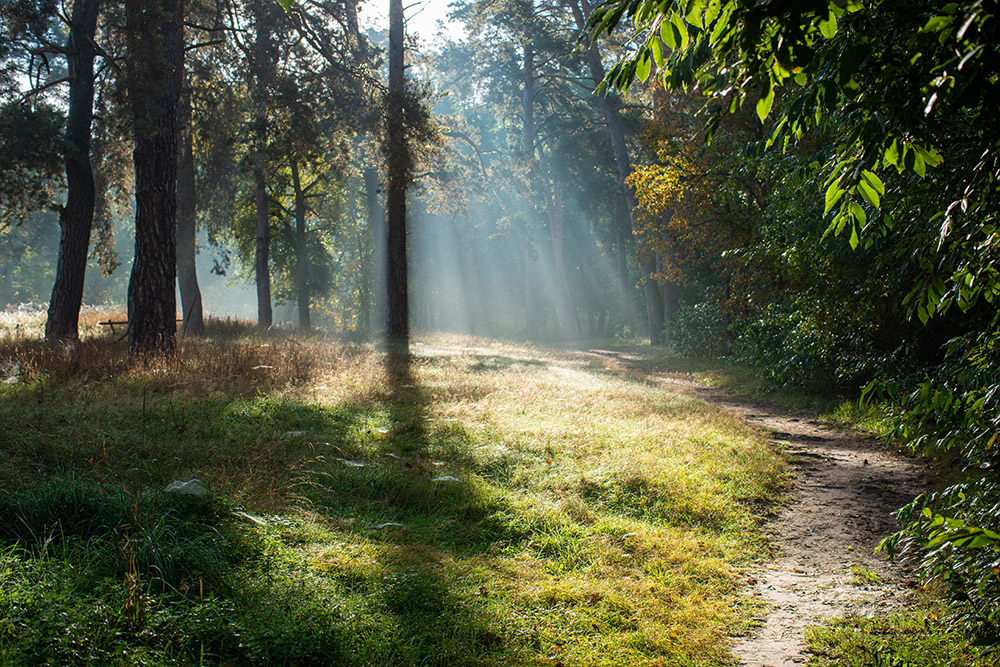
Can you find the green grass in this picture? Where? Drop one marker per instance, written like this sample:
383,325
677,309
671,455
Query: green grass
482,504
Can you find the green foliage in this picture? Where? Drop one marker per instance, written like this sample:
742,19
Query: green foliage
895,104
918,635
955,414
31,143
902,78
700,330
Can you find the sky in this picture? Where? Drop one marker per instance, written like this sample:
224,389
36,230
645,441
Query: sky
422,17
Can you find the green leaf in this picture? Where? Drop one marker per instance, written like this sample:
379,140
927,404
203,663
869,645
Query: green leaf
891,155
858,213
712,12
874,181
765,102
667,34
828,27
681,29
694,13
656,47
776,132
854,237
287,4
833,195
869,193
643,64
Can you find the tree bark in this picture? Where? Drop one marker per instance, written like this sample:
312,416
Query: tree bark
609,108
301,251
77,216
397,160
376,222
155,61
187,275
263,74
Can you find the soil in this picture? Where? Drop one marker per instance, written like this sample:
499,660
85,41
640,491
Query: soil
845,489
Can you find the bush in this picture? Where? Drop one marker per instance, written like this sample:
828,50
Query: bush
955,415
701,330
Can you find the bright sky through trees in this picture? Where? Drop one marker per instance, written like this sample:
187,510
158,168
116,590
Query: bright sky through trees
423,17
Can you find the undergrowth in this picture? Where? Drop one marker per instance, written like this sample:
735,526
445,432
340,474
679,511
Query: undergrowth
918,635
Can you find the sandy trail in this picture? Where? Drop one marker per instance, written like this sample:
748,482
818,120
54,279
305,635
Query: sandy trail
846,486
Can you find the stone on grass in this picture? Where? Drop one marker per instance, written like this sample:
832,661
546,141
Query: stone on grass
192,487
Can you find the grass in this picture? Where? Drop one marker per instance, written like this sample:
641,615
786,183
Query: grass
863,576
477,503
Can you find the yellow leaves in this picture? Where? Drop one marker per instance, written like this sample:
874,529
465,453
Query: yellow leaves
673,214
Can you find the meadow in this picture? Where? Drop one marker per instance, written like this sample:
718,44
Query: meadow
474,502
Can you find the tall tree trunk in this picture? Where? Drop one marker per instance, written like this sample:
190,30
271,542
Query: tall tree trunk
263,250
77,216
609,108
301,250
263,74
622,232
528,149
187,275
668,287
565,309
654,302
398,163
376,223
155,61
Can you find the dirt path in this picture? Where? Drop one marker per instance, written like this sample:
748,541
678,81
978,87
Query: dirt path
845,489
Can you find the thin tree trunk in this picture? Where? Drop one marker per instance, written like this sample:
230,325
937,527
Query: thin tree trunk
654,303
155,61
262,75
622,232
187,275
263,252
609,107
301,251
77,217
376,222
668,287
528,149
397,158
565,309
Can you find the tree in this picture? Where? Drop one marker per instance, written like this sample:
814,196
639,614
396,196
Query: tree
77,216
397,157
187,218
155,64
30,28
610,104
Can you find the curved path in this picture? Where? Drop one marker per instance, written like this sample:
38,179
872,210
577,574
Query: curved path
846,487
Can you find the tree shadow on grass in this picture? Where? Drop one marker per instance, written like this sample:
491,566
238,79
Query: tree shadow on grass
410,489
377,469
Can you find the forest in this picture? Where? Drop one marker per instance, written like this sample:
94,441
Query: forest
520,332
